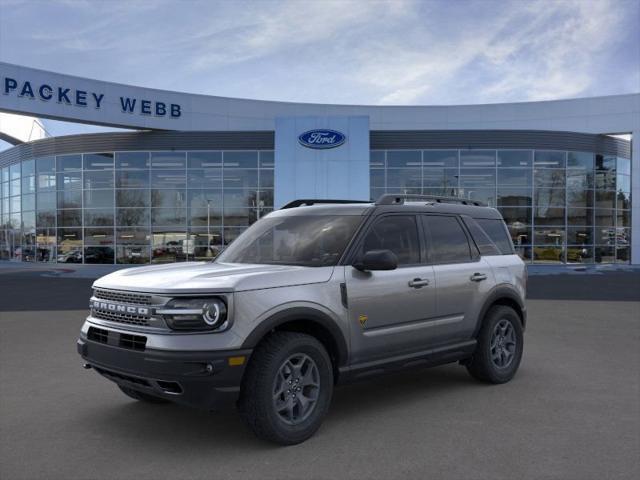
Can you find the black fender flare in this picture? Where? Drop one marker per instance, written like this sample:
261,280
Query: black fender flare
498,293
307,314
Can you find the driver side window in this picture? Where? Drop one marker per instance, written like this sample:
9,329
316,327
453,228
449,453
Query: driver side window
398,233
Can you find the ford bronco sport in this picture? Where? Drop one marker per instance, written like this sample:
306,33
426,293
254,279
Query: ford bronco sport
317,293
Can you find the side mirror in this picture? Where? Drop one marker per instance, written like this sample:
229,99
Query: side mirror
377,260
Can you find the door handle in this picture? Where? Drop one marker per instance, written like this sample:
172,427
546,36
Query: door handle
418,283
478,277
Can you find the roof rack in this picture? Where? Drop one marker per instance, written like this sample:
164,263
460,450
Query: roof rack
308,202
400,199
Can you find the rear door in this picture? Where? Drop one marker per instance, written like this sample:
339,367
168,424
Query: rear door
390,311
462,277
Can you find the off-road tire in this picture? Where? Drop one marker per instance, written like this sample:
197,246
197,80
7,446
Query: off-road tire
141,396
482,365
256,402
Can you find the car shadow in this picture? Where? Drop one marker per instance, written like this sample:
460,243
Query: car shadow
186,429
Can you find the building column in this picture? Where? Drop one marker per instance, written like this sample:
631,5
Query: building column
635,197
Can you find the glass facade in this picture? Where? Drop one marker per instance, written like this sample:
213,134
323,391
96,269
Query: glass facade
163,206
560,207
131,207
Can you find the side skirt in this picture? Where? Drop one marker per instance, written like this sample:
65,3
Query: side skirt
426,358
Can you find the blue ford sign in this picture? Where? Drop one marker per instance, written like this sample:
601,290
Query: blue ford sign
322,138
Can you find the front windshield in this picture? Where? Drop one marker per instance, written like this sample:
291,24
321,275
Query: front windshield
309,241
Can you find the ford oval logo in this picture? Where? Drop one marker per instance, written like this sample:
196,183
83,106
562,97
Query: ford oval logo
322,138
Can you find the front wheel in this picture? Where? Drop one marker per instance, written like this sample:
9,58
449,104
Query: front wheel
287,388
499,349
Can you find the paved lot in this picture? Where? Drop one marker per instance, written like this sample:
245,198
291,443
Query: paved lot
572,412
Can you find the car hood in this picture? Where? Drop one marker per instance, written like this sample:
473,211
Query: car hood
196,277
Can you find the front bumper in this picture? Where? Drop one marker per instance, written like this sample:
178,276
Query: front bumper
208,380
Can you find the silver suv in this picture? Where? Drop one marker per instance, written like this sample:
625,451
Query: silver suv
318,293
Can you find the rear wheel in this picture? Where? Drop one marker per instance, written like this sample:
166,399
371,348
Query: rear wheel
141,396
287,388
499,349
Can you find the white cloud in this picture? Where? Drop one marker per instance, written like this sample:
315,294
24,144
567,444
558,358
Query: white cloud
386,52
267,28
532,51
553,54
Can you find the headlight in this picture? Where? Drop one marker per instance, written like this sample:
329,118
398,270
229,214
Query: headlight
195,313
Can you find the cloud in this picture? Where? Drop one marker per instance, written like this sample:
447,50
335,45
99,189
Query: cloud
554,54
338,51
285,26
534,51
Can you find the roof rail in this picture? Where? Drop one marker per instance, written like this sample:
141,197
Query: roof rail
307,202
401,198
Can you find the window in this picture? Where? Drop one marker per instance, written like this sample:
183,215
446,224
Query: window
582,160
376,159
240,159
446,240
477,158
549,159
168,160
497,232
482,240
404,159
204,159
132,160
396,233
132,198
310,241
132,179
514,176
266,159
168,179
440,158
206,178
29,167
43,165
98,179
98,161
404,178
69,162
514,158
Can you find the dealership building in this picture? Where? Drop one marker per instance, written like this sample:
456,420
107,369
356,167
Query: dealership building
195,170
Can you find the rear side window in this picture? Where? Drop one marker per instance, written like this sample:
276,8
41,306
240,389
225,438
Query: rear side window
397,233
482,240
446,240
497,232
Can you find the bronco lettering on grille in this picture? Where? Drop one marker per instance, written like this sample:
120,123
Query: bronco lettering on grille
117,308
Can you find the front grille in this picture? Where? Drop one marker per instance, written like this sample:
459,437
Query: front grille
123,340
127,318
122,297
98,335
133,342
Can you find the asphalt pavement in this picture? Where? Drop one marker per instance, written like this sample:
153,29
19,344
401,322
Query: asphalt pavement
572,412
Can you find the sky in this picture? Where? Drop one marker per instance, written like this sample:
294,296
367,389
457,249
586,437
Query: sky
395,52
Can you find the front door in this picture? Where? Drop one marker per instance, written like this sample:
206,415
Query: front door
390,310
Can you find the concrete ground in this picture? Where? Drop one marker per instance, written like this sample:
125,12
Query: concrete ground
572,412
